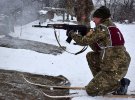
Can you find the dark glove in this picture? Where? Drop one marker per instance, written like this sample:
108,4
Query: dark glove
70,32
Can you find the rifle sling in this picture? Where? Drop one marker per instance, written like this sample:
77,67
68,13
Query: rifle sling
82,50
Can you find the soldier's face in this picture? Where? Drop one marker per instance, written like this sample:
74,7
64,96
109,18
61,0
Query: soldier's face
97,20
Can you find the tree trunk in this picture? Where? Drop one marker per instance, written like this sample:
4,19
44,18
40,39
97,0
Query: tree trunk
83,11
69,8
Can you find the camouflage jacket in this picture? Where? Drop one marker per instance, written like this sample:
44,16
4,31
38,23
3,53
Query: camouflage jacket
98,39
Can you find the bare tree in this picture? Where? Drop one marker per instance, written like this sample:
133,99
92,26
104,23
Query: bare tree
70,8
125,11
105,2
121,10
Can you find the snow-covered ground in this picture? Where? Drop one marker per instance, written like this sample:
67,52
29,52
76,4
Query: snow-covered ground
74,67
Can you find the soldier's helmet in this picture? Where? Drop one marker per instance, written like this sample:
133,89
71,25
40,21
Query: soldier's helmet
102,12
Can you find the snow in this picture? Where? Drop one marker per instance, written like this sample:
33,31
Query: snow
74,67
42,12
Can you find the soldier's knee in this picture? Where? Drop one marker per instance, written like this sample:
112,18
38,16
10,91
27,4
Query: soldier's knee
91,92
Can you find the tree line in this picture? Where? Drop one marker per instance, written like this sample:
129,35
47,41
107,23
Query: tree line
122,10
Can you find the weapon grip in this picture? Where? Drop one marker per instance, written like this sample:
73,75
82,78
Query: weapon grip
69,39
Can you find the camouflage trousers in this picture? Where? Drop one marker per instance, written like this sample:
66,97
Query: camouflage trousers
105,79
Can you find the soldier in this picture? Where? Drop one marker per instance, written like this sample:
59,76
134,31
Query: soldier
109,60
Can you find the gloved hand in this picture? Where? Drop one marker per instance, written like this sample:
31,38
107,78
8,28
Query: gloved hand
70,32
90,32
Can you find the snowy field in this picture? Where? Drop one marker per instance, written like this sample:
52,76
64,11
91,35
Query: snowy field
74,67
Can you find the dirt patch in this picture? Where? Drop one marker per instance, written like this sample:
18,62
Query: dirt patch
14,87
11,42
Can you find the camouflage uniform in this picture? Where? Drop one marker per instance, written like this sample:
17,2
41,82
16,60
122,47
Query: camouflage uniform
108,65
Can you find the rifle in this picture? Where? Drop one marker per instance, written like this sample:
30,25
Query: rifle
82,29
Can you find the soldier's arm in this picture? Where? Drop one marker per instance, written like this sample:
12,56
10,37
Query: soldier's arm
88,39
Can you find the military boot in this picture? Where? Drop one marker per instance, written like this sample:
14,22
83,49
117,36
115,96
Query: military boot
122,90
